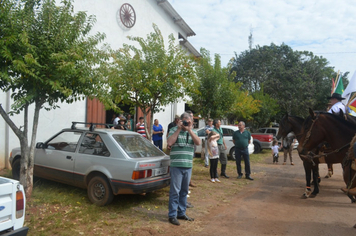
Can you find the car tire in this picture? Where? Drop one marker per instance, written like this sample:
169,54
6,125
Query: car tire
99,191
258,148
232,153
16,166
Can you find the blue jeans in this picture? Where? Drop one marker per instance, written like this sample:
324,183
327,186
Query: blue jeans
158,143
180,178
244,154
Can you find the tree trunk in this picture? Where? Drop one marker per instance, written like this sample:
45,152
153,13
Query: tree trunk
27,153
31,156
148,131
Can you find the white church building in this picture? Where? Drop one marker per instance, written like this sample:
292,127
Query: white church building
117,19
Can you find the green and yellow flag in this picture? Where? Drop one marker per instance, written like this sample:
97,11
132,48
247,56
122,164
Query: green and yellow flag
339,88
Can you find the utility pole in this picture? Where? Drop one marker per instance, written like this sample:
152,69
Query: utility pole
250,39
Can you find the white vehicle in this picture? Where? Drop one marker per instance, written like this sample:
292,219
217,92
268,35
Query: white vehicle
12,207
228,131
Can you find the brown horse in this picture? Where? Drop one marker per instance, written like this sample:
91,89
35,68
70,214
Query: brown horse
338,132
294,124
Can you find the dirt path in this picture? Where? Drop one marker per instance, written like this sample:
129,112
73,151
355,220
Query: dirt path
272,206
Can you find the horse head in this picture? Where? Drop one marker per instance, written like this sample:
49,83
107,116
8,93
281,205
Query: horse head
284,127
290,124
311,133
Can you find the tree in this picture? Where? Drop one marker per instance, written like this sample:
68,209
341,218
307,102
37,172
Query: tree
151,76
47,57
268,109
295,79
217,95
213,97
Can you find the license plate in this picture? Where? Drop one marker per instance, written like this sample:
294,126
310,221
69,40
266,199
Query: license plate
161,171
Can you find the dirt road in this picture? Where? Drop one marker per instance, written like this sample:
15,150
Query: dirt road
272,206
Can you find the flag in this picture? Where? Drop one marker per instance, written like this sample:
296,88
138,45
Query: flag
351,87
332,86
339,88
352,105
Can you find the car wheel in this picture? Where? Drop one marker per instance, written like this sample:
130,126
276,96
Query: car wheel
99,191
232,154
257,148
16,166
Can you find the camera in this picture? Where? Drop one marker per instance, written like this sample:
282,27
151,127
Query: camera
185,123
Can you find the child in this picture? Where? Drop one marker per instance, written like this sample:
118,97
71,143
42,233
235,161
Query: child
275,149
213,151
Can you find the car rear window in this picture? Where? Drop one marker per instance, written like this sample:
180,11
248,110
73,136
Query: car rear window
137,146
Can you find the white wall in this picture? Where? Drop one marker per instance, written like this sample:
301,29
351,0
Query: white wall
50,122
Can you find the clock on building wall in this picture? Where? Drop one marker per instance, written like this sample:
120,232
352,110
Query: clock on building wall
126,15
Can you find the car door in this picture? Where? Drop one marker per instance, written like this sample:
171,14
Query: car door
56,159
272,131
201,134
227,133
92,152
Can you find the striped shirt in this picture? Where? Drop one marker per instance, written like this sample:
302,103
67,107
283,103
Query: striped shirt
182,151
141,130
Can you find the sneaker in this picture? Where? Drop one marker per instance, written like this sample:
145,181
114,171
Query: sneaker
217,180
188,195
239,176
292,164
212,180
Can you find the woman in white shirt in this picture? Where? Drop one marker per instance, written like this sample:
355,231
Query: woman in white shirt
213,151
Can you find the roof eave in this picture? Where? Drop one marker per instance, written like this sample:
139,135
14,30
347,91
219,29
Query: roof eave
176,17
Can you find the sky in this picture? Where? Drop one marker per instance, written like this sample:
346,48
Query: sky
326,28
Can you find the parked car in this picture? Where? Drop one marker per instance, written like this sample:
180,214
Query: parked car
262,141
274,131
228,131
106,162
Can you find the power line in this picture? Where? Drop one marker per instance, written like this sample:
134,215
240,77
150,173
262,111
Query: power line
313,52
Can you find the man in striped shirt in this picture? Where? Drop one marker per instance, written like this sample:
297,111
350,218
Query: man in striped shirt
140,127
182,139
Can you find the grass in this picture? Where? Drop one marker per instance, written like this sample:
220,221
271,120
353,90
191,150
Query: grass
59,209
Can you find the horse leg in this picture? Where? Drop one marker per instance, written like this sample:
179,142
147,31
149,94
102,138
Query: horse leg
352,197
319,179
330,170
315,170
307,170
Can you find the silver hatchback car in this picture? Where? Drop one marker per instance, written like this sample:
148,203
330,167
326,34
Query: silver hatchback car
105,161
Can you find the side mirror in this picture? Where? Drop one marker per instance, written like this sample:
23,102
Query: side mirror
40,145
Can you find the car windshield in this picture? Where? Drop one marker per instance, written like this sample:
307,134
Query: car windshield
137,146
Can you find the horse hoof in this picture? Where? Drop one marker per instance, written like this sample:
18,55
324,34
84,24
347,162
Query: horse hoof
312,195
327,176
304,196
